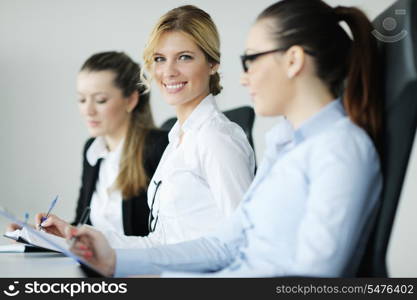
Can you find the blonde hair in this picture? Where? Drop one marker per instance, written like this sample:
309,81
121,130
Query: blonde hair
198,26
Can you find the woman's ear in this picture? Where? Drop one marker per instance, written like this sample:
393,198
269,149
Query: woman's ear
214,68
133,100
295,60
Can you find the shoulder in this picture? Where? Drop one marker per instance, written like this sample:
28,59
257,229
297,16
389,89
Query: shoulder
221,133
346,133
220,125
347,142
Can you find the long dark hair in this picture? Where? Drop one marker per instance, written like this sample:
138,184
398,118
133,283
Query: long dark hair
344,64
132,178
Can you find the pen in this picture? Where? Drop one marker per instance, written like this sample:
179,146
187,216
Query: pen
26,218
84,216
82,221
49,210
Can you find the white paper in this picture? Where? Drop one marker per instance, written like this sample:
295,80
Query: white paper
37,241
12,248
13,234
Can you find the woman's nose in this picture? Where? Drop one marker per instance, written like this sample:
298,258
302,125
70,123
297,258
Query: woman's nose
90,108
244,80
171,69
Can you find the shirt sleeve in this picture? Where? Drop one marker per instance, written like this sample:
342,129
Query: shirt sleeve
208,254
228,162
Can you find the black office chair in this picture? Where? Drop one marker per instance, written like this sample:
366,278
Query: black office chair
399,61
244,116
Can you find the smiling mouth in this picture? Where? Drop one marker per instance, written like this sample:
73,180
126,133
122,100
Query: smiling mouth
174,87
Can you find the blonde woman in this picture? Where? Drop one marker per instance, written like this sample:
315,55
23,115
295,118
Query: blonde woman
208,163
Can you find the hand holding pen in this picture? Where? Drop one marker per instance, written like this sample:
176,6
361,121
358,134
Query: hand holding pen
44,218
51,223
59,227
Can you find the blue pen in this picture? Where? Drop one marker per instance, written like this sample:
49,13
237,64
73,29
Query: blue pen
50,208
26,218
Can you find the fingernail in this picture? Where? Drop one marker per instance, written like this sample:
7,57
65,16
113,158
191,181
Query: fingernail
73,231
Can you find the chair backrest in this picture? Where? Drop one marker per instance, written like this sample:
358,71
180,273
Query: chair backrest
244,116
168,124
396,30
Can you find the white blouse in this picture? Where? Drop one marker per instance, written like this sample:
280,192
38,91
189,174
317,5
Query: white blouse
106,203
199,182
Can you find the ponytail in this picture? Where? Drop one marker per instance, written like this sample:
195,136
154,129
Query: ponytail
346,66
361,99
214,84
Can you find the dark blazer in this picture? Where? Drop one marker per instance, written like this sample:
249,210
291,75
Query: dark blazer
135,211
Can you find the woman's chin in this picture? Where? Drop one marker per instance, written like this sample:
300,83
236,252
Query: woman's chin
94,132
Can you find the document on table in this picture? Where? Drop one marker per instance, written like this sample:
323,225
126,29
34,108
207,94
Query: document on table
26,237
48,241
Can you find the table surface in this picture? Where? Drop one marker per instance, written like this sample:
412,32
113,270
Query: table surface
39,264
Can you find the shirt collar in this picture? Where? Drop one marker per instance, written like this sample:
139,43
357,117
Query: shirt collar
284,132
198,116
98,150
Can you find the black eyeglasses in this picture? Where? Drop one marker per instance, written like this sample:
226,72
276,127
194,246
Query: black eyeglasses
248,58
151,218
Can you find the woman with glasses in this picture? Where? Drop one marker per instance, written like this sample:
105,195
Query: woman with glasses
123,153
320,180
208,164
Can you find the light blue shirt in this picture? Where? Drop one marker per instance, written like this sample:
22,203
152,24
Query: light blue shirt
309,203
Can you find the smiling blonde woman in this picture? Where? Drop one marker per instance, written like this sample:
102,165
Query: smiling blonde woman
208,164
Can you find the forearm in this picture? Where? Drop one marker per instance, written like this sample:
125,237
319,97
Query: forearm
201,255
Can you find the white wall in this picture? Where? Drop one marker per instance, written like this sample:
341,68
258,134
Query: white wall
42,45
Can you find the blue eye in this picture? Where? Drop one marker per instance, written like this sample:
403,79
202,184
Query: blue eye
185,57
158,59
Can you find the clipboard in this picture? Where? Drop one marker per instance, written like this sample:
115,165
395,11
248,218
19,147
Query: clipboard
87,268
31,243
22,246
